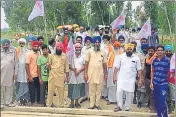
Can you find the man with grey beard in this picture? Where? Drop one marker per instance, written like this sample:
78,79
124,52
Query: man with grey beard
95,72
8,62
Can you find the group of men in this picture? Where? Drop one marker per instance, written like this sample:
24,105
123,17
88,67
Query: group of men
106,65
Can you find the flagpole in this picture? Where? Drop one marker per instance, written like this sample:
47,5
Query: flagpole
44,18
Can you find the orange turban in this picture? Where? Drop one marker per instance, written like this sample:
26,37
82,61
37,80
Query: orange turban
116,44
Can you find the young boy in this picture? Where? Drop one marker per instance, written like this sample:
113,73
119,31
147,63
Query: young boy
43,73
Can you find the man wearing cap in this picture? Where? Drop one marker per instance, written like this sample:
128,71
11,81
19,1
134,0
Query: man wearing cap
22,89
114,55
76,86
8,65
128,65
95,72
32,74
59,72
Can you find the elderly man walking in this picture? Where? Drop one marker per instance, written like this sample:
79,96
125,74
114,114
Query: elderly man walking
95,72
58,65
128,65
8,63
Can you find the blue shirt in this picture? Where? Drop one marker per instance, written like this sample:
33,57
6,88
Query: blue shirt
161,69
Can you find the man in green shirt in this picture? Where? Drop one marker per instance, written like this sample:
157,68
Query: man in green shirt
43,73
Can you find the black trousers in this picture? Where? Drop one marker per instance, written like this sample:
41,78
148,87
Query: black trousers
34,89
43,90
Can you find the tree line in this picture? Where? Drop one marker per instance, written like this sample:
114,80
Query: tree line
89,13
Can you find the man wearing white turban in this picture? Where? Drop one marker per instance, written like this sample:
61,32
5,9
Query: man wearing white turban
22,91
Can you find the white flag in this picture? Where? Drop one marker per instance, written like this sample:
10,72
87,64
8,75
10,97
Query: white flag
70,51
120,20
38,10
145,31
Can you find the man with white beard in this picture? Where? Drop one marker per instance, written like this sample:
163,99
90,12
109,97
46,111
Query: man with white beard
114,55
108,48
22,90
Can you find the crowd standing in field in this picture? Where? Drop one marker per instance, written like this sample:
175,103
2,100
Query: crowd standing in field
107,64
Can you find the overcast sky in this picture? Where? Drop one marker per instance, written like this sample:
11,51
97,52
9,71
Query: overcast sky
4,24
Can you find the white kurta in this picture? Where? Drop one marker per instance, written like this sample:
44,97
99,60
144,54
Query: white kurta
128,67
7,67
21,69
77,63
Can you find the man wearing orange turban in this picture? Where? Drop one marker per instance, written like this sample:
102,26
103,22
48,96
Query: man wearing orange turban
113,56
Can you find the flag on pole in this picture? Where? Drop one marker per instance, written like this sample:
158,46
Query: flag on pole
145,31
120,20
38,10
70,51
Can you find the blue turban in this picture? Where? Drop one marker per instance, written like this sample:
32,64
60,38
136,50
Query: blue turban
5,41
97,38
32,38
88,38
168,47
144,46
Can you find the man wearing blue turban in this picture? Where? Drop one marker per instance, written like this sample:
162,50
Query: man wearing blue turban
168,50
95,72
8,62
88,41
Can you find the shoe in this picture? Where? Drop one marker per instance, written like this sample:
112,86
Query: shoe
98,107
71,106
127,110
106,99
117,109
139,105
10,105
109,103
84,99
93,107
2,106
134,101
77,105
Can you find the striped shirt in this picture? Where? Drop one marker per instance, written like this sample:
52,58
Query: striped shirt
161,69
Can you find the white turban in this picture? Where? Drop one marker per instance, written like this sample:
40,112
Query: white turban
22,40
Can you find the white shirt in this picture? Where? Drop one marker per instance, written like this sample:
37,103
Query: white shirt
128,67
52,50
172,62
83,35
77,63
